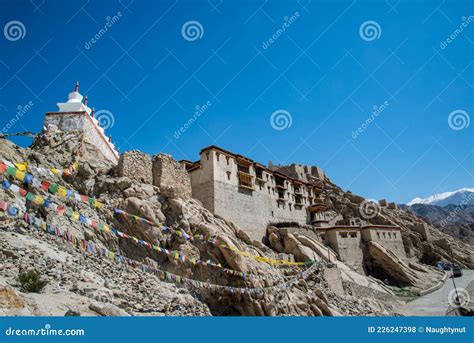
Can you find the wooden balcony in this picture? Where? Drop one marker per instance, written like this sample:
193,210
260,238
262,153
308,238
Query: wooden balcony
317,207
245,180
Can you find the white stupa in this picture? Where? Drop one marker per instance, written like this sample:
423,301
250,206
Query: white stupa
75,102
75,115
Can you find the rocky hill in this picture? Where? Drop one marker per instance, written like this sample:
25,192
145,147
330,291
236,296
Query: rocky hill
455,220
109,245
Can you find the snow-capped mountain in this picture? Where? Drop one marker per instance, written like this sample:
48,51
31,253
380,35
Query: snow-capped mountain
463,196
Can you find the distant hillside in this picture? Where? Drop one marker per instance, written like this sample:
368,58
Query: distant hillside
454,220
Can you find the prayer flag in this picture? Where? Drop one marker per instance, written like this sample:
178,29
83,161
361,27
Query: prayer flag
21,166
19,175
62,191
53,188
11,171
45,185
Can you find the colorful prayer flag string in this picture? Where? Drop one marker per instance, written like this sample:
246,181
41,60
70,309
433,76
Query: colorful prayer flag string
56,189
102,227
102,252
213,241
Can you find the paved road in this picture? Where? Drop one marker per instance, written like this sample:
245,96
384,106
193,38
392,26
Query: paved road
436,303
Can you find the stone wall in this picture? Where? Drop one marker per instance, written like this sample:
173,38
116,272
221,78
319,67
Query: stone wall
171,177
81,121
388,238
348,245
301,172
423,230
136,166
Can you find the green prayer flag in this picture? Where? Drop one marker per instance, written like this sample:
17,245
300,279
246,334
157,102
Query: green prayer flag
53,188
30,196
11,171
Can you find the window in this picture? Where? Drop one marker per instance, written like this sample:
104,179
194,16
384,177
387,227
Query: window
378,235
273,215
343,234
394,235
228,175
353,234
207,155
384,235
217,156
323,237
227,158
243,168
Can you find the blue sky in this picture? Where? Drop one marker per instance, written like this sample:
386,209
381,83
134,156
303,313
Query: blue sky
323,71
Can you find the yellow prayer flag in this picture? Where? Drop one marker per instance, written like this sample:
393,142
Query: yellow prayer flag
38,200
62,191
19,175
106,228
97,204
54,171
75,215
21,166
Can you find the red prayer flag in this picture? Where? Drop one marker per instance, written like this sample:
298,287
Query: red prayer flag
45,185
3,167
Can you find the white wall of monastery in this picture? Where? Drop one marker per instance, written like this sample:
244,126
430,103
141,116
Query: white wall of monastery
216,185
